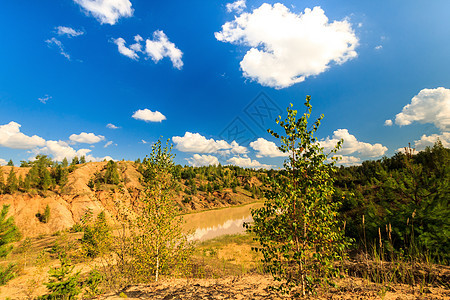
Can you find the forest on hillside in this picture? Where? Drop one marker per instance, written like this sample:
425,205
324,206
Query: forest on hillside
402,200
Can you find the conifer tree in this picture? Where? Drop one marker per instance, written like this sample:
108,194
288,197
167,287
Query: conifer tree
10,163
112,174
11,183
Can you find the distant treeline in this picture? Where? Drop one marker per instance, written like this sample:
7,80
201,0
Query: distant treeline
404,200
44,174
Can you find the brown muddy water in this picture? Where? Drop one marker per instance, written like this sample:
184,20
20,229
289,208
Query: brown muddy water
210,224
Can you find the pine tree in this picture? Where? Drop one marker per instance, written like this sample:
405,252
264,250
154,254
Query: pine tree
112,174
63,284
11,183
8,231
10,163
65,163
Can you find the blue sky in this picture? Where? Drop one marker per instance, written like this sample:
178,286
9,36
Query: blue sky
197,71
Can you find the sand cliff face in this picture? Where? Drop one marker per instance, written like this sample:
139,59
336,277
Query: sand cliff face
69,203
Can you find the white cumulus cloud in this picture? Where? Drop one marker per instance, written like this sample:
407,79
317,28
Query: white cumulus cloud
68,31
430,140
198,160
348,160
352,145
148,116
156,49
107,11
247,162
285,47
388,123
3,162
237,6
124,50
266,148
161,47
195,142
429,106
11,137
87,138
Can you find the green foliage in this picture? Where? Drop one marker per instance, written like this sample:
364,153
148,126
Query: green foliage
298,228
45,216
97,234
12,184
111,174
409,193
92,283
7,273
63,284
159,244
8,232
10,163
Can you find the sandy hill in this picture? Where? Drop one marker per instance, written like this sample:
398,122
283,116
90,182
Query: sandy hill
69,203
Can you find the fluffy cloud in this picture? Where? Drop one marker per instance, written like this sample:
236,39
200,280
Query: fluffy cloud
2,162
430,140
11,137
67,31
156,49
195,142
112,126
348,160
60,150
247,162
148,116
352,145
198,160
87,138
120,42
54,42
107,11
429,106
266,148
388,123
237,6
161,47
287,47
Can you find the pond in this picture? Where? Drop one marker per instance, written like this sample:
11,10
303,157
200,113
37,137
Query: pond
214,223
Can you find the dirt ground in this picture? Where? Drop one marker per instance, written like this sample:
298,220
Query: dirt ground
256,287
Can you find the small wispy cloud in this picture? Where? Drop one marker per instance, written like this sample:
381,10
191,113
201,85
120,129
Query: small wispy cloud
54,42
237,6
68,31
112,126
379,47
44,99
108,144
